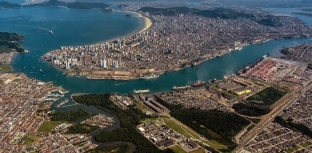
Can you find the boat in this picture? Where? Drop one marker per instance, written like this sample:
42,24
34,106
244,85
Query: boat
198,83
107,9
51,32
141,91
181,88
40,71
61,92
150,77
194,64
238,48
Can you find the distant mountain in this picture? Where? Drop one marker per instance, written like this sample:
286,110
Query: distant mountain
9,5
74,5
268,3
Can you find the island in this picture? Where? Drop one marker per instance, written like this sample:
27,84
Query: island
179,37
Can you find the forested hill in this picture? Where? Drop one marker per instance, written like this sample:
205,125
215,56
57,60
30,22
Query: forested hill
6,36
9,42
220,13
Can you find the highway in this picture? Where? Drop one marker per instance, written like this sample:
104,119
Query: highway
282,104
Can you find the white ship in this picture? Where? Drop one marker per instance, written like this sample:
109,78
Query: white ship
141,91
150,77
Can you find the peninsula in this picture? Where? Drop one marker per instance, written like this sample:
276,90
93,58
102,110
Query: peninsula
180,37
8,46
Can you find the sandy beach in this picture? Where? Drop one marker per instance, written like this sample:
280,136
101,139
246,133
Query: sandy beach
146,23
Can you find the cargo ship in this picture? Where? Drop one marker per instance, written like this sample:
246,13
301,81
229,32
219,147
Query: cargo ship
141,91
198,83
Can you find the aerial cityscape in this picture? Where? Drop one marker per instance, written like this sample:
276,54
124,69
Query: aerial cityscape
154,76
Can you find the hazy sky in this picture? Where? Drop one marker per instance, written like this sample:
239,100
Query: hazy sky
253,3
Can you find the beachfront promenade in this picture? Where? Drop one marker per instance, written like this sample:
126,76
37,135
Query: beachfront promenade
171,43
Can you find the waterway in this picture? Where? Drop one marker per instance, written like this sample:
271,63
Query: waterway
80,27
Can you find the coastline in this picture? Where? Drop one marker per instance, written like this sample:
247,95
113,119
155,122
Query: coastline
145,24
208,57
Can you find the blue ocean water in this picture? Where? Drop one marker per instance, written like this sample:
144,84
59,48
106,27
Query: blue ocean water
80,27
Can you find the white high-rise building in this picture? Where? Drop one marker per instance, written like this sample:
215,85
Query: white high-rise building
105,63
67,65
101,63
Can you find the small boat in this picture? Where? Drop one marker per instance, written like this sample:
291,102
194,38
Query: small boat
51,32
40,71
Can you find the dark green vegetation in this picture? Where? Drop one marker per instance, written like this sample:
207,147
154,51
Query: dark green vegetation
294,126
6,36
310,66
8,42
5,68
81,128
72,115
254,120
73,5
214,124
8,5
272,21
250,110
113,149
222,13
266,97
285,51
129,119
